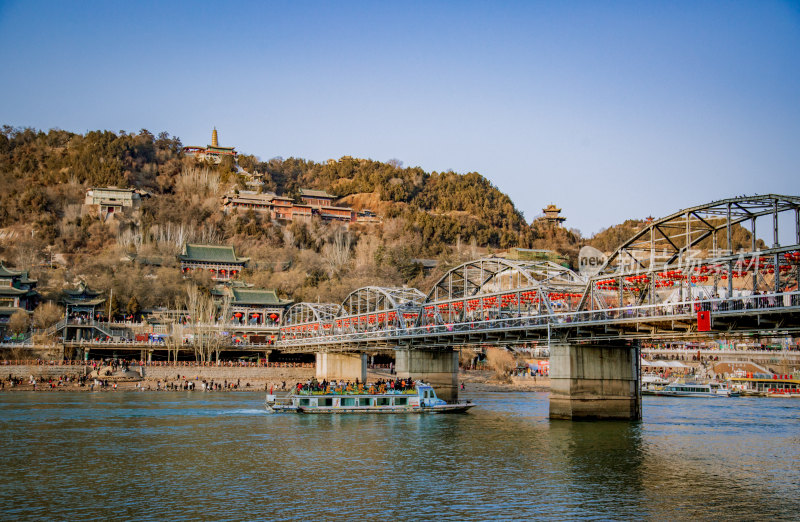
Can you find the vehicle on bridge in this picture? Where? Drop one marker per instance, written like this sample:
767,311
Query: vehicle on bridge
419,399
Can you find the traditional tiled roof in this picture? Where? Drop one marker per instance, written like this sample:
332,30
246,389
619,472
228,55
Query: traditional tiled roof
10,290
9,310
315,194
256,296
211,254
97,301
82,290
25,280
249,200
6,272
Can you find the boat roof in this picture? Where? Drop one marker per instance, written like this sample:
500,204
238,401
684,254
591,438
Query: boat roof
762,379
356,394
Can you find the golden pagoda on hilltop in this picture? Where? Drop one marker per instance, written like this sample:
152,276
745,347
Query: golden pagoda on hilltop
213,151
552,215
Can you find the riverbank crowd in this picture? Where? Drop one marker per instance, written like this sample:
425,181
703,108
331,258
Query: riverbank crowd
95,363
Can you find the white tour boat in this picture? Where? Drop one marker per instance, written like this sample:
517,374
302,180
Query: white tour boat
678,389
419,399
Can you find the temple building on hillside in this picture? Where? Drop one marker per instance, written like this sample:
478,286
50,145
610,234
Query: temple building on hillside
213,152
345,214
85,309
282,208
302,212
314,203
83,304
321,204
112,200
552,215
249,201
220,260
17,292
316,198
252,306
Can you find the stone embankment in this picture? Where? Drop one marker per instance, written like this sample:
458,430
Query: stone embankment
255,375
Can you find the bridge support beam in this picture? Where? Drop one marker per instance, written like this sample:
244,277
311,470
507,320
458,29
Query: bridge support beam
438,368
344,366
595,381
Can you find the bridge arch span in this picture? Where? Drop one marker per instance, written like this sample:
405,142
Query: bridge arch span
496,286
669,240
309,319
374,307
496,274
701,251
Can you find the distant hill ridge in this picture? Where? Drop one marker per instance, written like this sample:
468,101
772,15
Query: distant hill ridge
43,176
429,221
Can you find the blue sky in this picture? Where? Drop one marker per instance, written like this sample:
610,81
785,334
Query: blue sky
611,110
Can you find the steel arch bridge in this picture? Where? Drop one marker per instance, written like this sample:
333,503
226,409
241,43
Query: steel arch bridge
695,253
491,286
366,309
704,258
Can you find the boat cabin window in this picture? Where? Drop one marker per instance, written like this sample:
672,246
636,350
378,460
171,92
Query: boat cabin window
326,402
401,401
364,401
383,401
304,402
348,401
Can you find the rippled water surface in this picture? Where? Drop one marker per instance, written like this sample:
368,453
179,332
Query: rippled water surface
157,456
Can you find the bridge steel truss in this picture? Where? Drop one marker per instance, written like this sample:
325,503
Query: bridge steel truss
703,252
493,287
701,258
365,309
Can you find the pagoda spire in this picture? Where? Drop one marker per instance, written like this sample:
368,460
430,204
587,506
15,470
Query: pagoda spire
552,215
214,142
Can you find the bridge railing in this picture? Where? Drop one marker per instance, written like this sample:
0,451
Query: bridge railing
685,310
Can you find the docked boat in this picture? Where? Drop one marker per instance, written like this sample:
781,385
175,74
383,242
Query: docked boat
652,383
713,389
767,385
421,398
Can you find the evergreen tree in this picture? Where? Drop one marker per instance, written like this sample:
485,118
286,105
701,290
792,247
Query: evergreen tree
113,307
133,307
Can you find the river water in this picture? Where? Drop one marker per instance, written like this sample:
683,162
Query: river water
219,456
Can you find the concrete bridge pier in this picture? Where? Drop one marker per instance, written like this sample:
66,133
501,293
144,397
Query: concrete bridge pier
342,366
595,381
438,368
